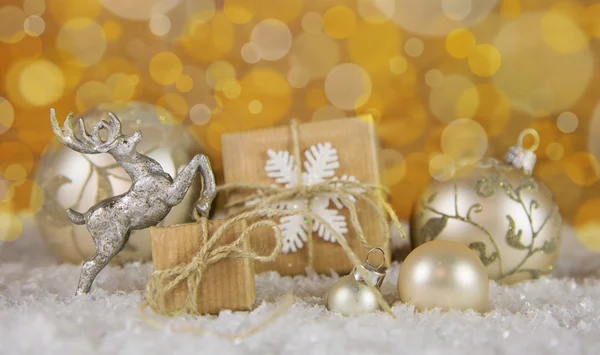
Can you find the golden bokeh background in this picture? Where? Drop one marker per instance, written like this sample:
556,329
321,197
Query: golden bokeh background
447,81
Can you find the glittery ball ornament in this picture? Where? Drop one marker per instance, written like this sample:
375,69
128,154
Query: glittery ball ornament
350,295
78,181
498,210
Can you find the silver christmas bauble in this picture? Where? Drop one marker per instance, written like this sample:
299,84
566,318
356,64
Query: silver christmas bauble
503,214
443,274
73,180
350,295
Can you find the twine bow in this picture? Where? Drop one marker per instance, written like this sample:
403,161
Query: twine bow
164,281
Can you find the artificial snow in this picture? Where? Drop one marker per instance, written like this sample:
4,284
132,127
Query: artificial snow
40,315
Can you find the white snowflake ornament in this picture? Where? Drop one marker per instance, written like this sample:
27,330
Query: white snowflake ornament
320,165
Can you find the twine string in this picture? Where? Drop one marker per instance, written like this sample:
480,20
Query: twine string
163,282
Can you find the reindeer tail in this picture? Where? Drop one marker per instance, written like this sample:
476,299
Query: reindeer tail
75,217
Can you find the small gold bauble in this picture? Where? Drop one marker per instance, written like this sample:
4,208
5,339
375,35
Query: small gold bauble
73,180
506,216
443,274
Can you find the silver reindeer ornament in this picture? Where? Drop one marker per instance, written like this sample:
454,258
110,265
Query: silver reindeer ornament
150,198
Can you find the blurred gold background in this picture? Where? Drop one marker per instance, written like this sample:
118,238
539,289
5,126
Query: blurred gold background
447,81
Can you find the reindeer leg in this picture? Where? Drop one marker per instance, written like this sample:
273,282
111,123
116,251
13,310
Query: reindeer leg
181,184
106,249
209,191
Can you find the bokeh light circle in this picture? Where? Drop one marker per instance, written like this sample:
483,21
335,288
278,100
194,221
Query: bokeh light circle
175,103
184,83
15,154
251,53
122,86
11,24
34,25
555,151
64,11
534,80
82,40
376,11
218,73
434,77
298,77
138,9
159,25
312,22
348,86
414,47
567,122
200,114
231,88
583,169
41,83
398,65
441,167
317,53
7,115
439,17
373,44
255,107
562,34
11,227
485,60
458,10
465,141
92,94
112,30
165,68
339,22
240,11
460,43
34,7
454,97
273,39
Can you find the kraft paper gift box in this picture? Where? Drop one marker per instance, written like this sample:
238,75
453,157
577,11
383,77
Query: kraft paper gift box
244,158
227,284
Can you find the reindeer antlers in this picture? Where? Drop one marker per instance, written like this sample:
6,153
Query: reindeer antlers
88,144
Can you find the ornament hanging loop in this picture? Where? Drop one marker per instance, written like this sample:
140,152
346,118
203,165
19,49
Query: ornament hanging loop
536,139
524,158
371,266
376,273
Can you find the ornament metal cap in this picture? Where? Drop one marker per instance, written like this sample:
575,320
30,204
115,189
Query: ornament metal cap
376,273
521,157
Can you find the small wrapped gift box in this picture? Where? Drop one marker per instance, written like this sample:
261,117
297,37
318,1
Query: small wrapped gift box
227,284
334,150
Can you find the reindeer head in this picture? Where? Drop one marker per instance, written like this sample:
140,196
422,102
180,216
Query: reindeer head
115,143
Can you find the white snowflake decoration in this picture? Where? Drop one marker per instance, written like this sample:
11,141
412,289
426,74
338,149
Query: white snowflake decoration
321,162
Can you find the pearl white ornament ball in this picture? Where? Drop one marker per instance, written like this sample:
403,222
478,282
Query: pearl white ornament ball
443,274
351,297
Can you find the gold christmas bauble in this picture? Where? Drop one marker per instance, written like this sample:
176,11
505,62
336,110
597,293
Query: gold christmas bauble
443,274
73,180
503,214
